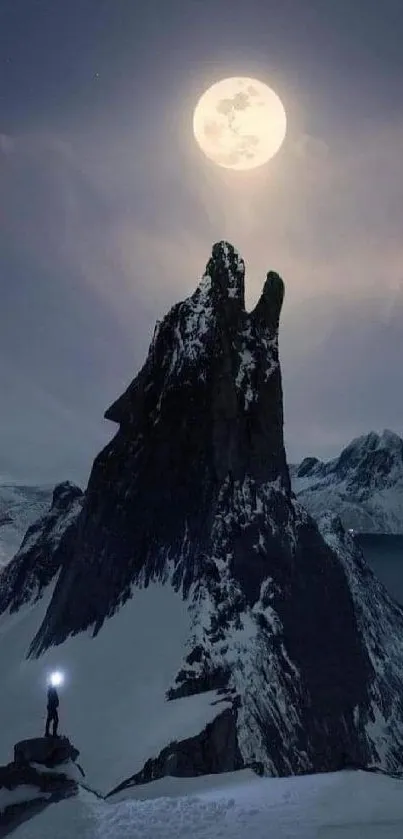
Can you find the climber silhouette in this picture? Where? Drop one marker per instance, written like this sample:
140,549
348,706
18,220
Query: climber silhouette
53,716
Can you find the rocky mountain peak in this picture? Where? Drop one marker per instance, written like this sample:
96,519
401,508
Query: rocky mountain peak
210,336
193,492
391,439
307,466
202,419
372,442
64,494
363,485
267,311
226,270
370,462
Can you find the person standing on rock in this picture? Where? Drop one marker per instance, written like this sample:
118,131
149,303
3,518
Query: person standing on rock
53,704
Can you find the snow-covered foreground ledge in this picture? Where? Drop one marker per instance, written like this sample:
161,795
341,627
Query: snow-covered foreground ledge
20,795
346,805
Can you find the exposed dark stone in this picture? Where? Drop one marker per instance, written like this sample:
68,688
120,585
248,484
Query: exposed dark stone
196,655
213,750
209,677
64,494
51,751
307,466
48,787
257,767
14,775
186,427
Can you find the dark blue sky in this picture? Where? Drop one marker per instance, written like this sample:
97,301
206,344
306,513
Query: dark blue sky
108,210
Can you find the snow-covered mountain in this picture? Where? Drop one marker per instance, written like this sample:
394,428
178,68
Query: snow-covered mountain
20,506
364,485
204,621
342,805
45,545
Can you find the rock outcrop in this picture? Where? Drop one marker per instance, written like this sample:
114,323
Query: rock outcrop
214,750
44,548
41,774
194,491
50,751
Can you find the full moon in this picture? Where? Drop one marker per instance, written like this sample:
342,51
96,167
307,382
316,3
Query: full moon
239,123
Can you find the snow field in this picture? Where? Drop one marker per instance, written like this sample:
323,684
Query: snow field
112,705
346,805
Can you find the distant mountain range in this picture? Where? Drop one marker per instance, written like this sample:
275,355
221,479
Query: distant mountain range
364,485
20,506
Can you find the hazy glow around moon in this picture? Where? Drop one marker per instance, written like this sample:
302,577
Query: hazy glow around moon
239,123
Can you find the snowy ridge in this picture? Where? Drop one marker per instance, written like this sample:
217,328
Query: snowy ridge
42,550
20,506
364,485
191,335
380,621
185,338
240,647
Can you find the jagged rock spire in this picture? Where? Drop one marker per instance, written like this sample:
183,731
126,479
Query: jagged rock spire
194,491
211,344
227,272
268,309
203,416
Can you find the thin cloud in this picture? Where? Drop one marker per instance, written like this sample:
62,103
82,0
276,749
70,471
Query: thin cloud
128,242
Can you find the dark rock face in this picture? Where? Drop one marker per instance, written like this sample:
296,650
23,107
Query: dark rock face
308,465
194,490
380,626
203,413
51,751
45,546
40,787
213,750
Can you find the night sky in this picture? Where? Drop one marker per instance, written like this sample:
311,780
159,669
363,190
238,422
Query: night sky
109,209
